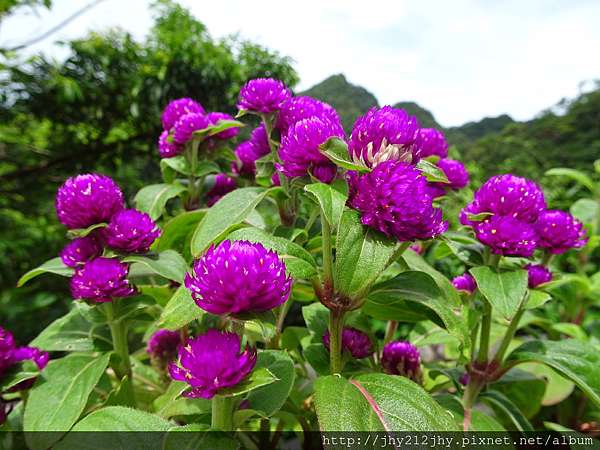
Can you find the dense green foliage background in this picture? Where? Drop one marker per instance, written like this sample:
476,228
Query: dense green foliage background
99,109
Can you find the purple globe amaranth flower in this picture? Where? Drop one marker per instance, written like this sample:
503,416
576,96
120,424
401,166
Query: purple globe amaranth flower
211,362
101,279
456,173
430,142
11,354
538,274
402,358
163,344
178,108
166,148
559,231
223,185
394,199
299,151
507,195
131,231
354,341
302,107
465,282
263,95
88,199
215,117
238,277
507,236
251,150
184,128
80,250
464,379
383,134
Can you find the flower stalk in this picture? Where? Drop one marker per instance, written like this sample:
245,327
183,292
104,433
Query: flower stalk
336,325
222,413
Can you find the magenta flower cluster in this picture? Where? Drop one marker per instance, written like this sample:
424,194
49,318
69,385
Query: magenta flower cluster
402,358
537,275
223,184
263,95
514,221
430,142
394,199
212,362
238,277
249,151
355,342
162,347
91,199
465,282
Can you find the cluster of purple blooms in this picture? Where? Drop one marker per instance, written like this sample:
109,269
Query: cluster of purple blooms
92,199
10,356
181,118
516,220
355,342
402,358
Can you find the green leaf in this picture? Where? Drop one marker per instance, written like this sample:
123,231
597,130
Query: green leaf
197,436
180,165
82,232
171,403
336,150
217,128
499,401
575,360
111,421
362,254
153,199
177,230
570,329
123,394
480,421
298,262
377,402
24,371
225,216
586,210
573,174
331,201
524,389
388,301
71,333
271,398
416,262
258,378
60,395
537,298
180,310
504,290
54,265
316,317
168,264
432,173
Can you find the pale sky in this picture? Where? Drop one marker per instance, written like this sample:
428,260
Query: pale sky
461,59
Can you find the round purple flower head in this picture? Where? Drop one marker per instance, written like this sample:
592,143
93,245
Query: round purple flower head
394,199
455,172
183,130
251,150
538,274
101,279
238,277
211,362
88,199
11,354
559,231
167,149
131,231
80,250
215,117
163,345
402,358
507,195
507,236
263,95
354,341
223,185
465,282
383,134
299,151
178,108
302,107
430,142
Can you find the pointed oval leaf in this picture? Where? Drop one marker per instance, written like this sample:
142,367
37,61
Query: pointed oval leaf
330,200
269,399
153,199
505,291
168,264
54,265
180,310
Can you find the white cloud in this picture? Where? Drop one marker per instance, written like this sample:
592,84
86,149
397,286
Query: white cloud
462,60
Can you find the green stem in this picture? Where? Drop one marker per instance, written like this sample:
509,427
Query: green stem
336,324
510,333
283,310
192,157
548,257
390,331
399,251
222,413
118,331
327,254
469,397
493,260
484,342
